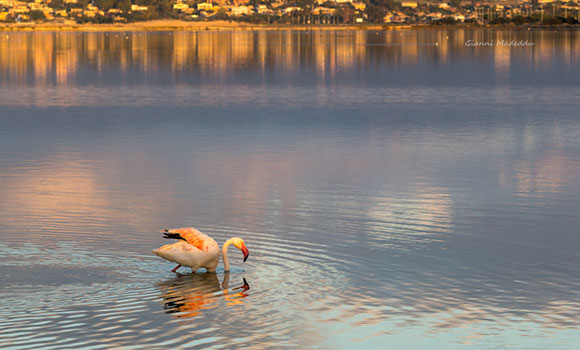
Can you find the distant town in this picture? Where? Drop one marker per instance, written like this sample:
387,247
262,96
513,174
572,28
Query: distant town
303,12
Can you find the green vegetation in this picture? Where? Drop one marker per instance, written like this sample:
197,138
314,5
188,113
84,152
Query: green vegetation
105,4
37,15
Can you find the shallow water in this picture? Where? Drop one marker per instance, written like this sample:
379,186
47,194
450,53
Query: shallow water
395,189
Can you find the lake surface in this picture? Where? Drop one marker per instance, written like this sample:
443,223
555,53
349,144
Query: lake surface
396,189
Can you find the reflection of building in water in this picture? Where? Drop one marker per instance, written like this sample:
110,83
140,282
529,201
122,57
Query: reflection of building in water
183,43
14,56
543,52
325,53
66,57
410,50
568,47
345,56
350,48
458,37
319,52
140,50
42,56
360,41
217,53
261,48
242,48
288,48
55,57
94,50
124,55
502,61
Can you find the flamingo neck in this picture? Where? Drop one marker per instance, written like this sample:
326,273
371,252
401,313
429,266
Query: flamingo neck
225,254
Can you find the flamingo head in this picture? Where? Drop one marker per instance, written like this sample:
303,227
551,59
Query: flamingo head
239,243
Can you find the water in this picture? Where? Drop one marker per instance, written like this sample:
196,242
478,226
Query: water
395,189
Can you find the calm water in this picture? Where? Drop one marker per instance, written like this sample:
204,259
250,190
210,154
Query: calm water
395,189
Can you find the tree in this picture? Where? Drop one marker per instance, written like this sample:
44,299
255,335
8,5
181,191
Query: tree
105,4
37,15
306,5
519,20
124,5
376,13
387,4
56,4
165,7
446,21
221,14
455,3
552,20
346,13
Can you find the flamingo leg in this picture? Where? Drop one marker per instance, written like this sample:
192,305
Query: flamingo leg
176,267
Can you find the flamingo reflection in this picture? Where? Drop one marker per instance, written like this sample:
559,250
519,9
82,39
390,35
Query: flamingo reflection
188,295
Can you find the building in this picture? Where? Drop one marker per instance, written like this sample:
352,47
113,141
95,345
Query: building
138,8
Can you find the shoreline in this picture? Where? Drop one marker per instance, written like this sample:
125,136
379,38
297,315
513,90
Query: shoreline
177,25
172,25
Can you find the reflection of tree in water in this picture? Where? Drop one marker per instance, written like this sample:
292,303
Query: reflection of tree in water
188,295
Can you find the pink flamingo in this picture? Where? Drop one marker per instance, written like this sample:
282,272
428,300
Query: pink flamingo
195,249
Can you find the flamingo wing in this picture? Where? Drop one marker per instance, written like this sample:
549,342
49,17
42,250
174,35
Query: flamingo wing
192,236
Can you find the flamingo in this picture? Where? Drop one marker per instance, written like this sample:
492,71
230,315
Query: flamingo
195,249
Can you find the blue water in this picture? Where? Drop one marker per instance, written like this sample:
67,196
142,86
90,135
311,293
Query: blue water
396,189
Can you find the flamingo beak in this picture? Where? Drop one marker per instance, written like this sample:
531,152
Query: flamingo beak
246,252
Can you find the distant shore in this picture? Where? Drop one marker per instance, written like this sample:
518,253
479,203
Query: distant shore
177,25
